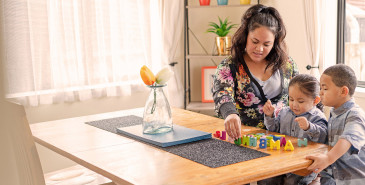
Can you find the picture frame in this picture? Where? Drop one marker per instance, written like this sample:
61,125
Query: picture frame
207,83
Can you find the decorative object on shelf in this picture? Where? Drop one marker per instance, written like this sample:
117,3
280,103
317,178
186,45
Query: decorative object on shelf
222,2
204,2
223,40
245,2
207,83
157,116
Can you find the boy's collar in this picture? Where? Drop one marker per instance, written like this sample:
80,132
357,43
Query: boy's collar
344,107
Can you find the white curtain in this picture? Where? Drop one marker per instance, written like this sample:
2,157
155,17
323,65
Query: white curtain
71,50
321,35
314,25
172,27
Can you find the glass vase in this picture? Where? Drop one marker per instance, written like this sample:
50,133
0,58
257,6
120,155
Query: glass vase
157,117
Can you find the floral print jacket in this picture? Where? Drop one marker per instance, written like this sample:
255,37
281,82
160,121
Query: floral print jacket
237,94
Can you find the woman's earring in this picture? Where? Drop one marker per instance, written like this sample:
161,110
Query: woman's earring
246,50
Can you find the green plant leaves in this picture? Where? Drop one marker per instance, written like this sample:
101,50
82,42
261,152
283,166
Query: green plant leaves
222,29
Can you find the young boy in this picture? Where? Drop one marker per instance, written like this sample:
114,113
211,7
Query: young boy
346,130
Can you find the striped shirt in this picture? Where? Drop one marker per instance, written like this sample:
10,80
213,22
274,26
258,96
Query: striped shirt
347,122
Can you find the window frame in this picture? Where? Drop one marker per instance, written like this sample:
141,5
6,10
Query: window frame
341,18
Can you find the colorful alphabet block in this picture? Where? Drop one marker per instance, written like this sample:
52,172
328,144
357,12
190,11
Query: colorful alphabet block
238,141
253,141
282,141
217,134
280,135
223,136
274,144
263,143
245,140
268,140
289,146
302,142
275,138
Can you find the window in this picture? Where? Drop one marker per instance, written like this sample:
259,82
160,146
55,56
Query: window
351,36
64,51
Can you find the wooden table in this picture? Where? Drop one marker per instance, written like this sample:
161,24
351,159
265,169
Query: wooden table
126,161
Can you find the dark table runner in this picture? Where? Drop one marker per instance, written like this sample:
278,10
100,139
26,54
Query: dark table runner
209,152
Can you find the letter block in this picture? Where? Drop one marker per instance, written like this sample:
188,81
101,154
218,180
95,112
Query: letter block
274,144
217,134
276,138
268,140
253,141
263,143
237,142
245,140
280,135
223,136
282,141
289,146
302,142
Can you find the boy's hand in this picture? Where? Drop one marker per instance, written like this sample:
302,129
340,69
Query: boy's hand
302,122
268,109
232,125
320,162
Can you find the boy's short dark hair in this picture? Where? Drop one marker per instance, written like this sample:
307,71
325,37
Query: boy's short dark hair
342,75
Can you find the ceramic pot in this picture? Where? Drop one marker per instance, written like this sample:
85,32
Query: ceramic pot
224,45
222,2
204,2
245,2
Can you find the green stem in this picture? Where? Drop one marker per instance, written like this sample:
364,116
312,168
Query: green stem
154,101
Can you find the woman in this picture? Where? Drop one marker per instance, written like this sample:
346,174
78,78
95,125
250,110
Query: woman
258,70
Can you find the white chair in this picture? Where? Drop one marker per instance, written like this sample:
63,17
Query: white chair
20,164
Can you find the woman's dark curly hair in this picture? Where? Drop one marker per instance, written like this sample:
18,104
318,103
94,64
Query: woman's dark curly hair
255,17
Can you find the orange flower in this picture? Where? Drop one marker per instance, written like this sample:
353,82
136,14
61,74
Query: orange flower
147,76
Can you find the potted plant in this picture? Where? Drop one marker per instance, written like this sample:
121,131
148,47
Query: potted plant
223,40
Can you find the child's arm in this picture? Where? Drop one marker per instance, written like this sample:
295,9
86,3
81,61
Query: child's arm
316,129
321,161
270,122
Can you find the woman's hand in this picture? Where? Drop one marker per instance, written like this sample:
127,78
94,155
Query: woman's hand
268,109
302,122
232,125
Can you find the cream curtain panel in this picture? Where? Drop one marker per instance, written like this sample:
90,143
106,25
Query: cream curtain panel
321,33
172,28
73,50
314,17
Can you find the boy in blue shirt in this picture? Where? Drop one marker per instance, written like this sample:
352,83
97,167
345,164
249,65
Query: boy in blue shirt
345,162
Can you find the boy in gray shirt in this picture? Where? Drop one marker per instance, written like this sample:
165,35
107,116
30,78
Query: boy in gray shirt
345,162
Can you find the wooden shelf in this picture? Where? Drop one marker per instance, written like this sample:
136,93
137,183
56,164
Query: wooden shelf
219,6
